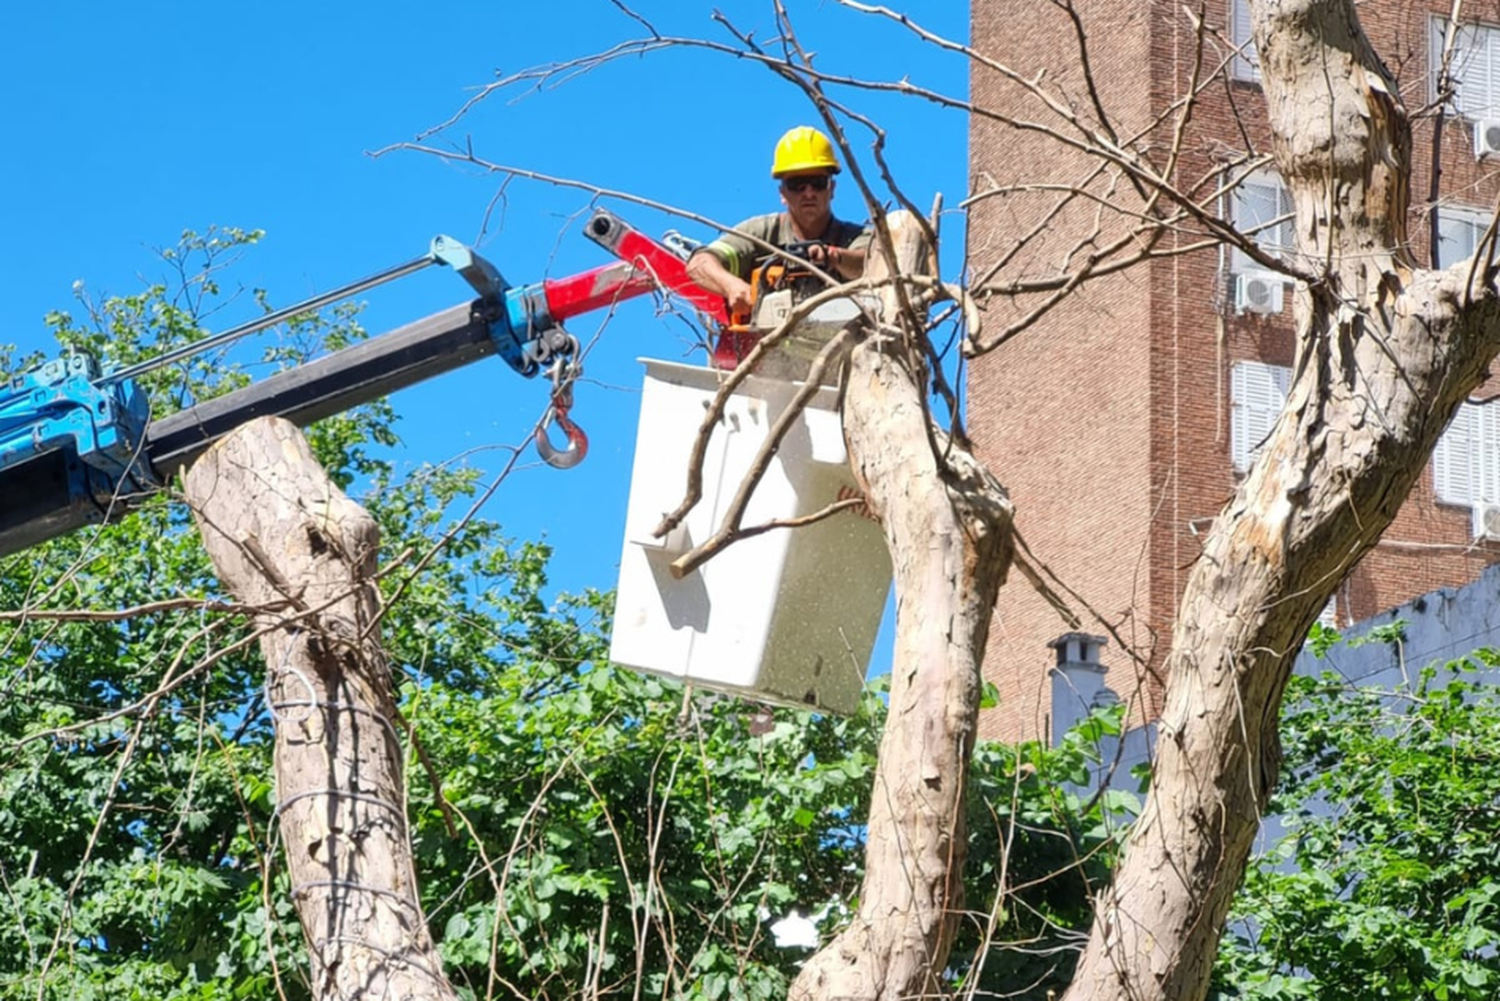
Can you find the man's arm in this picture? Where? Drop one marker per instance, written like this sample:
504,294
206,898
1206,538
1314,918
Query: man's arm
705,268
845,253
846,262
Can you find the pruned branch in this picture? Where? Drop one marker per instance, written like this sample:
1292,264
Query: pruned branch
729,528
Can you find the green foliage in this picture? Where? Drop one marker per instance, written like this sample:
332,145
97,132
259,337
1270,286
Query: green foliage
1393,633
1042,842
627,840
1321,639
123,330
1387,880
134,798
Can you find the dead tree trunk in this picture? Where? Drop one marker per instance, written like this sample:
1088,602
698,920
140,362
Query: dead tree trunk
1386,352
278,530
947,523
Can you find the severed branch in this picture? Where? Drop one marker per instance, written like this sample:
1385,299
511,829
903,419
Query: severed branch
742,372
1034,578
150,608
847,504
729,529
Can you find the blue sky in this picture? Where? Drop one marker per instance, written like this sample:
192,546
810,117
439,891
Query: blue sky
128,123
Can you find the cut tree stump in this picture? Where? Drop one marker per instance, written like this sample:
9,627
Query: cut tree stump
282,535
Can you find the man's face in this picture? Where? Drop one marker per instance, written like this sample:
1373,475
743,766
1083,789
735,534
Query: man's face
808,197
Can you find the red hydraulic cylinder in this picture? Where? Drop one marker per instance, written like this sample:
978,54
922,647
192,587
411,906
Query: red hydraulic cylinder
670,270
659,264
594,289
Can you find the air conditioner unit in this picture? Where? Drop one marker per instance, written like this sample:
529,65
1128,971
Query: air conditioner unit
1487,521
1486,137
1257,292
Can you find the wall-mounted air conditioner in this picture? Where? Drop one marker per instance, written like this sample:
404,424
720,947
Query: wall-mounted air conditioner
1487,521
1257,292
1486,137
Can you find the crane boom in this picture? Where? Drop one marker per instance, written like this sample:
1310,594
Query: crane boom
77,446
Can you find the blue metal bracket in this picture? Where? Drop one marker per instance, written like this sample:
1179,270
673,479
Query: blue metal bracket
57,405
96,426
478,272
518,315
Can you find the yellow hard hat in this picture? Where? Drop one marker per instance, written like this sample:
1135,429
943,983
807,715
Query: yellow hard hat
804,148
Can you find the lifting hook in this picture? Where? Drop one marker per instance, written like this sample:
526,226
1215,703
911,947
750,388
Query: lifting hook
578,442
563,375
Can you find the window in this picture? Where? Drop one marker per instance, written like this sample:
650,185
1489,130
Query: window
1246,65
1466,462
1459,232
1261,207
1475,67
1257,394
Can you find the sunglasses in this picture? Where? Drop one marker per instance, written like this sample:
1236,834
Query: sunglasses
797,185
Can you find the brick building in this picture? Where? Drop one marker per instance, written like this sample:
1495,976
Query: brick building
1122,419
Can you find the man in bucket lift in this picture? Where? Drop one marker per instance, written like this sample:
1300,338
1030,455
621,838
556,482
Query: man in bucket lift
804,163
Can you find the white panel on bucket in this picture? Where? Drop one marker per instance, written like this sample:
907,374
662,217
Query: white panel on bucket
788,616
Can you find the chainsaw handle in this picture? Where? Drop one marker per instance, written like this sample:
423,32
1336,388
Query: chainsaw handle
802,249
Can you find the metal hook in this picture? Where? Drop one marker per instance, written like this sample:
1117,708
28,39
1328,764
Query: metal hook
563,371
578,442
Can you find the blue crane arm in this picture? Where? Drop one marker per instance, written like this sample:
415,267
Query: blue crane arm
78,446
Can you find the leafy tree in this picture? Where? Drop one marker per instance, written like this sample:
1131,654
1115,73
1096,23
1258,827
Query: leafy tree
1044,835
134,738
1386,881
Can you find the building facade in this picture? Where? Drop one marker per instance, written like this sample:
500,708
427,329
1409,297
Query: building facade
1122,418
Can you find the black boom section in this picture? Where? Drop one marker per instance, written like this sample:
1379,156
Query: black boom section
37,503
357,374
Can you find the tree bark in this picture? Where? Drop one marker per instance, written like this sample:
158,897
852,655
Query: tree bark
947,523
278,530
1386,353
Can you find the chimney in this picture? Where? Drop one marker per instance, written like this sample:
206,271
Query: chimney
1077,681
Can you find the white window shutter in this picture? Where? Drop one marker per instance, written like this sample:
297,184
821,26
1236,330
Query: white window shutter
1455,237
1486,42
1257,397
1255,204
1475,67
1486,461
1258,204
1455,461
1247,64
1285,235
1471,71
1460,229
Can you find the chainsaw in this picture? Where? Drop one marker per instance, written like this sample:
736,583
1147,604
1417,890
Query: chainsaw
777,287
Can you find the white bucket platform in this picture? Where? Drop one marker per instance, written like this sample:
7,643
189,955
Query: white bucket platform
788,616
